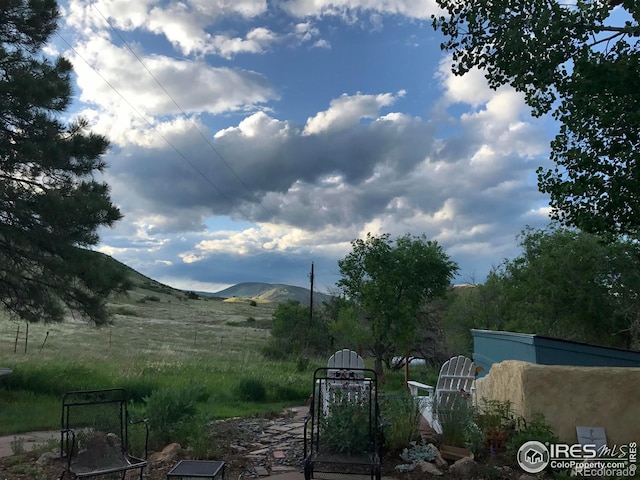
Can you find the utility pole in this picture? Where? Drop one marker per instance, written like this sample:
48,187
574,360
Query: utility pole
311,297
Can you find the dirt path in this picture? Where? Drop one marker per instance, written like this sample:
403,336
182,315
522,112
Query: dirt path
25,442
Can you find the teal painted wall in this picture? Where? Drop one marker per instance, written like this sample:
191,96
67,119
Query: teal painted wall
491,347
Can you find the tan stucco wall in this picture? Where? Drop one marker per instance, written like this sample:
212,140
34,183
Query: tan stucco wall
606,397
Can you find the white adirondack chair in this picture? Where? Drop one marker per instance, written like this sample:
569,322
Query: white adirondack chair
343,366
457,376
343,361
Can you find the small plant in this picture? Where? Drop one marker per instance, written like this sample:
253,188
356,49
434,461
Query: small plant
302,363
253,303
17,445
345,429
456,418
535,429
415,455
252,390
171,412
251,320
401,416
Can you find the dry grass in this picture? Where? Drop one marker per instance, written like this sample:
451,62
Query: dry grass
158,337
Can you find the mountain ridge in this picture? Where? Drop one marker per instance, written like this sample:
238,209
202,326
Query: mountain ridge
273,292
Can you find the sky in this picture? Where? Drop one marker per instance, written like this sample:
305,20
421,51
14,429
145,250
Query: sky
250,138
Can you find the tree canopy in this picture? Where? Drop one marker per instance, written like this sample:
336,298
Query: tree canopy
51,206
573,60
566,284
387,283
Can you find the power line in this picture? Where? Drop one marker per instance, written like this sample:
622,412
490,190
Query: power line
176,149
204,137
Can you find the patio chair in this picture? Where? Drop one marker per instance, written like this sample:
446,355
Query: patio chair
94,435
344,360
342,433
457,377
342,366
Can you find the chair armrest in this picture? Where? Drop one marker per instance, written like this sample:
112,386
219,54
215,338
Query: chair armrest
414,388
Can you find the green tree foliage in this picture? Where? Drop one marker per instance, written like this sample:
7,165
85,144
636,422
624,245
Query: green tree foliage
566,284
569,59
387,283
50,203
294,333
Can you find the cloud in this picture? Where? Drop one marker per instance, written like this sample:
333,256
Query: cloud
347,111
348,9
316,186
183,23
193,85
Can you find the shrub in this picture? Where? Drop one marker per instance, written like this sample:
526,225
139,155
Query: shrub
400,416
456,419
253,303
251,390
346,428
535,429
416,454
171,413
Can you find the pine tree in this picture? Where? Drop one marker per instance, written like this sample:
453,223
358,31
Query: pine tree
51,206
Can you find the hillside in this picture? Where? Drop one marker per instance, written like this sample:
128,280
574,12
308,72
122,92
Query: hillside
276,293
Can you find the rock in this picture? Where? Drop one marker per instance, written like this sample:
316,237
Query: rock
261,471
464,469
47,457
439,461
526,476
430,468
168,454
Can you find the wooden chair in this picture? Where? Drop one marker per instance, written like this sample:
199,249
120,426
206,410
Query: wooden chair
457,377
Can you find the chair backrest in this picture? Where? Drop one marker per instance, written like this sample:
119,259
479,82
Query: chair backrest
342,363
344,409
456,377
95,413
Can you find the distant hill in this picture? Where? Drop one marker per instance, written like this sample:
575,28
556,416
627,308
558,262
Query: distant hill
266,292
276,293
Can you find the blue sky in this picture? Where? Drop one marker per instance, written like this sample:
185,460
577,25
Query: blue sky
250,138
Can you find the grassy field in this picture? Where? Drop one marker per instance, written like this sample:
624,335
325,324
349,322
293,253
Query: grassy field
158,338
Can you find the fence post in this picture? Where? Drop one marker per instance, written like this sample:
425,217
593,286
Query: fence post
15,345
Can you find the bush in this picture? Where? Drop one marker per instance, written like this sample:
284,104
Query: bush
275,350
456,419
252,390
400,416
346,428
172,413
536,429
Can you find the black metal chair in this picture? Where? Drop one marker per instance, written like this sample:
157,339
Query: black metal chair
94,435
342,433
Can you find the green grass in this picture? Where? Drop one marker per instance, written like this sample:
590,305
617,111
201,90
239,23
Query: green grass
171,342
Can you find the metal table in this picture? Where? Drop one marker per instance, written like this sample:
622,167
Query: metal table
187,469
